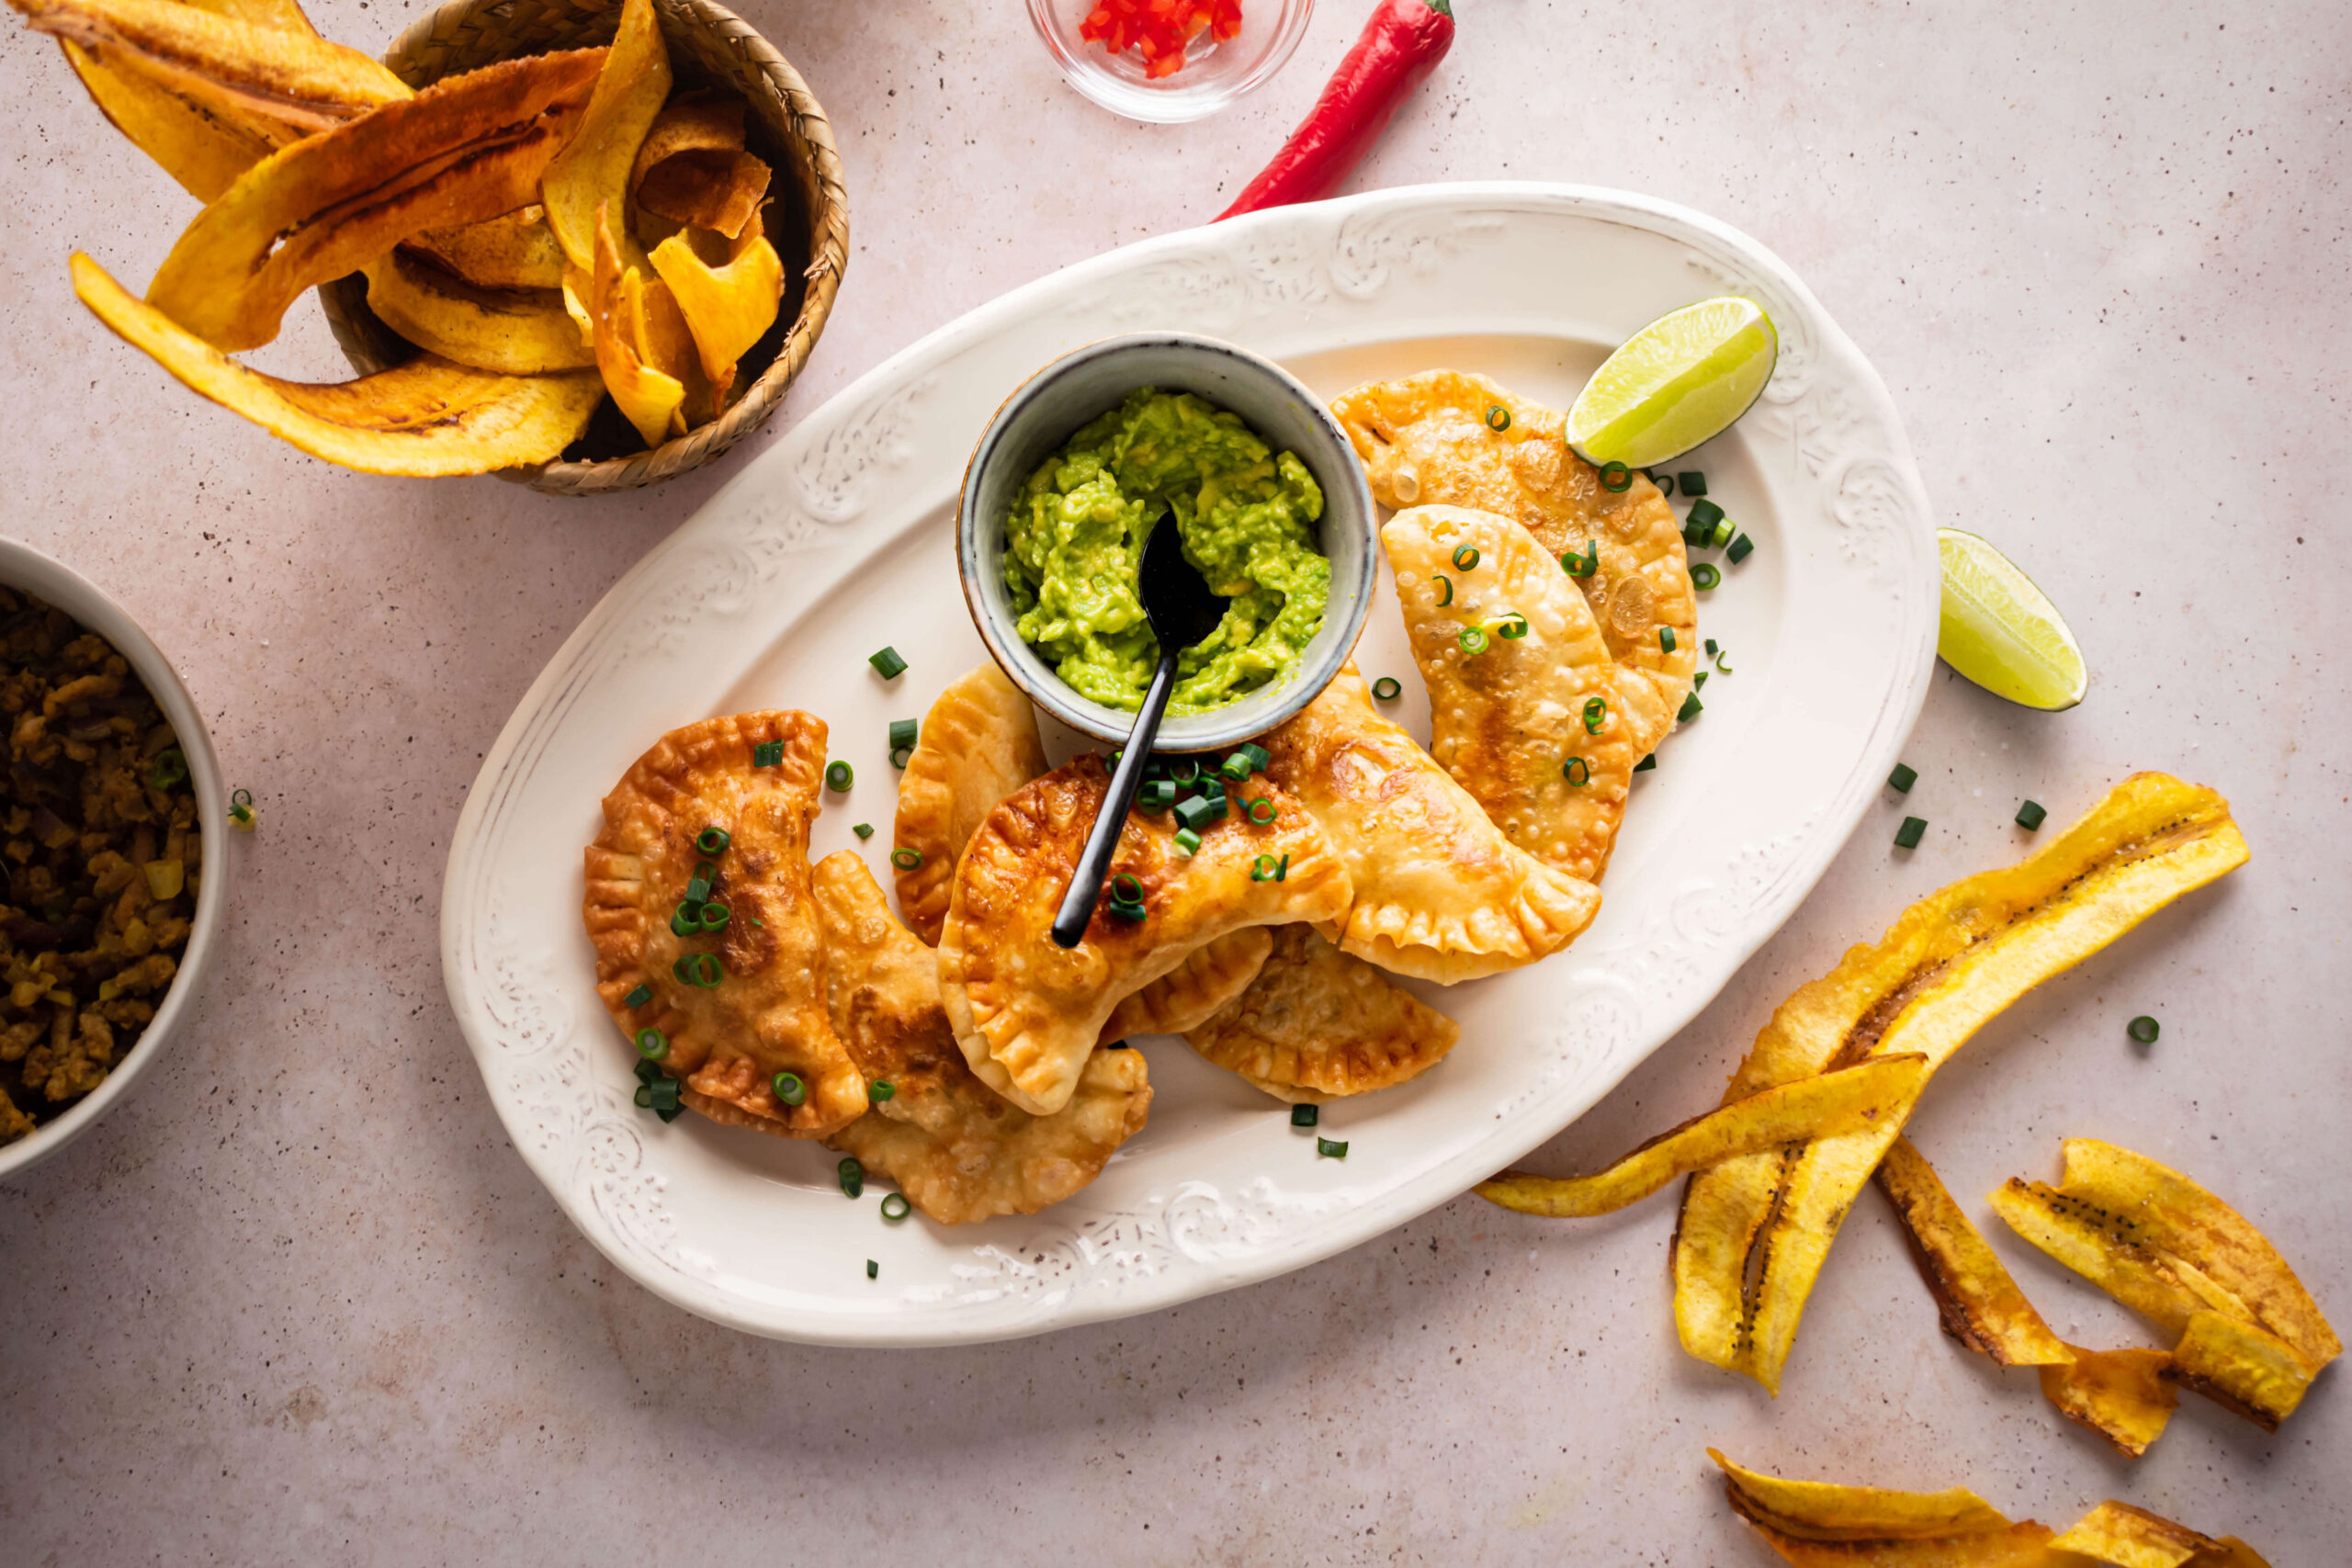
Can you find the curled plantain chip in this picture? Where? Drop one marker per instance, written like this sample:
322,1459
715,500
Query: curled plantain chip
591,173
521,333
1981,1304
720,191
1754,1231
2126,1396
650,398
513,249
727,307
427,417
1834,1102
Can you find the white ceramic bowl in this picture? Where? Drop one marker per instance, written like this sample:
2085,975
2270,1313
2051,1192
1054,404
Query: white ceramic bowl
1215,72
23,566
1051,406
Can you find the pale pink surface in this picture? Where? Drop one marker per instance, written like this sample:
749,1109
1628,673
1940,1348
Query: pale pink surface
298,1301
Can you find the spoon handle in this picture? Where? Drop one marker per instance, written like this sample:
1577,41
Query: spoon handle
1094,863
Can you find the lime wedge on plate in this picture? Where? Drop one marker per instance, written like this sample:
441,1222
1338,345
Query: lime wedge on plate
2001,631
1676,384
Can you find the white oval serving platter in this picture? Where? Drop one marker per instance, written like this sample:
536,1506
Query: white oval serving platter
839,539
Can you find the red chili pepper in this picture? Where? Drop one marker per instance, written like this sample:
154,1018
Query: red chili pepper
1400,45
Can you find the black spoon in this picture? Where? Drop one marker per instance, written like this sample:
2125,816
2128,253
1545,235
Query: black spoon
1181,610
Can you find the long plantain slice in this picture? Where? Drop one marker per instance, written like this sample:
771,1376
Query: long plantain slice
204,150
1837,1101
1821,1510
1981,1304
463,150
427,417
591,173
519,333
1754,1231
2126,1396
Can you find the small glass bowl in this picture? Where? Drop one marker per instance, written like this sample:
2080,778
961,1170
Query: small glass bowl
1214,75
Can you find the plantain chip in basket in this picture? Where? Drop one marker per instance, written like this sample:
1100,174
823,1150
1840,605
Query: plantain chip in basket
513,249
1981,1304
281,80
658,331
462,149
427,417
650,398
591,173
730,307
519,332
2126,1396
204,150
720,191
1754,1231
1834,1102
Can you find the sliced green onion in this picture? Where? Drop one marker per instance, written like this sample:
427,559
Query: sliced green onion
647,1072
853,1176
1703,518
1262,869
1901,779
863,830
839,776
1282,872
1473,639
1584,565
702,970
1596,714
873,1269
1647,764
2143,1028
1723,664
713,841
1126,888
1259,756
1616,477
1711,648
1908,837
1188,840
1194,812
1129,911
168,769
906,858
1327,1149
241,808
637,998
899,756
1741,549
768,754
1698,680
895,1207
714,915
888,662
1305,1115
1235,767
1499,418
1386,689
1465,557
880,1090
1665,482
685,920
653,1045
903,732
1184,771
1579,772
1271,811
1445,582
1691,481
1722,536
1158,794
2031,815
1691,708
1213,791
1665,640
788,1088
1704,576
698,889
1511,626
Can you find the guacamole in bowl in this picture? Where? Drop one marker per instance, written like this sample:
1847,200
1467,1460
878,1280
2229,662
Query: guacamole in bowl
1074,538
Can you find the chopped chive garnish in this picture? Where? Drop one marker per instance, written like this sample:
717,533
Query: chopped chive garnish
1259,756
660,1094
714,915
1665,482
1473,639
1711,648
788,1088
1647,764
1262,869
1282,872
839,776
1691,708
1269,814
768,754
1126,888
1691,481
1188,840
895,1207
1616,477
1704,576
903,732
853,1176
2031,815
880,1090
1908,837
888,662
873,1269
653,1045
1903,778
1447,583
1511,626
1465,557
1698,680
1723,663
1596,714
1184,771
1194,812
698,889
1583,565
647,1072
685,920
1703,517
1386,689
638,997
2143,1028
1499,418
708,971
1235,767
1328,1149
1129,911
1665,640
1212,787
906,858
1741,549
241,808
1722,536
899,755
863,830
1305,1115
1158,794
712,841
1579,772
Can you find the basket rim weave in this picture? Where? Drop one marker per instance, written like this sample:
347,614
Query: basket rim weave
430,48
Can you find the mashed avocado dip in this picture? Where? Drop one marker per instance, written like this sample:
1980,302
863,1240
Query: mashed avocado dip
1074,538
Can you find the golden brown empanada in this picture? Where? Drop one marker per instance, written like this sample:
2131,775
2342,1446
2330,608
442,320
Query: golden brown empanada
1513,722
978,743
1209,978
1438,892
958,1150
766,1012
1317,1022
1028,1012
1426,440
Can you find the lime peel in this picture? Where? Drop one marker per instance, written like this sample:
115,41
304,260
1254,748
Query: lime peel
2001,631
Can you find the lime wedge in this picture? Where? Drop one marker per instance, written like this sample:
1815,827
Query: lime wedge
2001,631
1677,383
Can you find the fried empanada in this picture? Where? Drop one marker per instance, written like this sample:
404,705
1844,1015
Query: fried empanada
954,1148
1317,1022
1514,722
766,1014
979,744
1438,892
1186,995
1027,1012
1428,440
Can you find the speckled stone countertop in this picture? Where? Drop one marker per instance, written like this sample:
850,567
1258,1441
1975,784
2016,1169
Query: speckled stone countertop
298,1301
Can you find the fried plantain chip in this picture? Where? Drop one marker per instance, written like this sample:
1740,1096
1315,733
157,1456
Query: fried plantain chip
204,151
648,398
427,417
283,81
727,307
1981,1304
718,191
1820,1510
2123,1395
2025,1545
2242,1368
513,249
462,149
591,171
1754,1231
1834,1102
659,333
2126,1537
522,333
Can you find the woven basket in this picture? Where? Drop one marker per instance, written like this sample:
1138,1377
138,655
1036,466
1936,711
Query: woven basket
710,46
